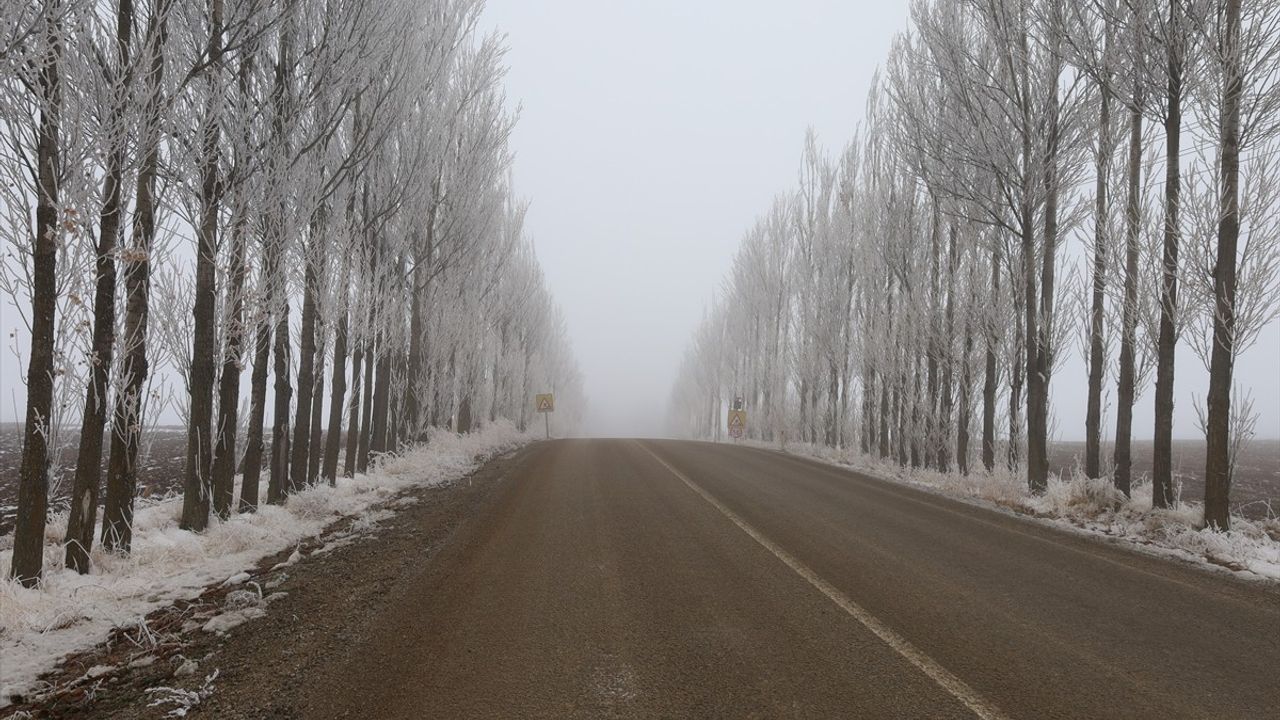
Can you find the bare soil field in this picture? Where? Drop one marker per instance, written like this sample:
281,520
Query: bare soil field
1256,489
162,460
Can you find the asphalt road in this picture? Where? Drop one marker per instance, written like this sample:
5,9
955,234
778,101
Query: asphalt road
640,579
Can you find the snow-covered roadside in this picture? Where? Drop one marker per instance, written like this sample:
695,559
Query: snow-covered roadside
1251,547
70,612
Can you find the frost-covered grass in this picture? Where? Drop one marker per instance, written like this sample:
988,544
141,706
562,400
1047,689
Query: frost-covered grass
1091,505
69,612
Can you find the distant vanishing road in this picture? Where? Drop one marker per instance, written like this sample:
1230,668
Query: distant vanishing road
657,579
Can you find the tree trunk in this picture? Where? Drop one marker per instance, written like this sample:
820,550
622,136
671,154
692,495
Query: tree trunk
252,468
464,414
1039,374
416,386
933,339
885,447
278,477
298,479
394,438
868,429
366,423
499,380
224,455
197,490
814,388
127,419
917,412
1127,370
353,417
906,420
317,408
833,401
84,491
381,404
1217,488
944,347
1023,308
228,425
333,437
804,409
1162,452
1097,309
966,391
990,378
33,476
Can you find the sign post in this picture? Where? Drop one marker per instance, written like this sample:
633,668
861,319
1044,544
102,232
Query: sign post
737,418
546,404
737,423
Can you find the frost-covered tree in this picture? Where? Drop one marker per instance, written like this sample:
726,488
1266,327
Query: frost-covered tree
220,163
931,253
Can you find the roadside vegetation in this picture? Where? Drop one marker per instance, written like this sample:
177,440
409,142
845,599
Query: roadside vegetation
1032,179
315,195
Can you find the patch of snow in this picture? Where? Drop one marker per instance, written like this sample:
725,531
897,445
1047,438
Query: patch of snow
236,579
98,671
241,599
183,701
293,559
226,621
368,521
338,542
69,612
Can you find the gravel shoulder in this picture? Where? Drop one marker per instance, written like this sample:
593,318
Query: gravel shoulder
291,640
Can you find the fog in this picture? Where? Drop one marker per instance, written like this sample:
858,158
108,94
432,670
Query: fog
652,134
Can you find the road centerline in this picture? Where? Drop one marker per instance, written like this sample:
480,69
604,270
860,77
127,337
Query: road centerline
953,685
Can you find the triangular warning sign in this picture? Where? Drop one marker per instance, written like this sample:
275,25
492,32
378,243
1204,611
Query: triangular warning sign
737,419
544,404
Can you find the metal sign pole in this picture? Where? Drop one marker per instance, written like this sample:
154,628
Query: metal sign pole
546,418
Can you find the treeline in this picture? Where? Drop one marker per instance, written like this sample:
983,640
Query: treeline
312,193
1030,174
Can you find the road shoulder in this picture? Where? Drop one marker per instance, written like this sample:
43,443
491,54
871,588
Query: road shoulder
316,610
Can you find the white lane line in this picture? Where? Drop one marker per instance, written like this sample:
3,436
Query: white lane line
956,687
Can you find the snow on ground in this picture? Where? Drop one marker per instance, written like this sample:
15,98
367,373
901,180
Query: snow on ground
1251,547
69,612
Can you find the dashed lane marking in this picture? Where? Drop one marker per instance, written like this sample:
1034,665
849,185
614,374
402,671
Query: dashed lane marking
954,686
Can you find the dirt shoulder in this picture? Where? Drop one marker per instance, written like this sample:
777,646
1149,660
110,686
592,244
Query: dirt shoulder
299,621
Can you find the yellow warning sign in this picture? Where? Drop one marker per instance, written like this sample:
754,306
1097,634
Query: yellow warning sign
545,403
737,422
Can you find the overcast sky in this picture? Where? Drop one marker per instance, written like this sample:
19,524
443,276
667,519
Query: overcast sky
653,133
651,136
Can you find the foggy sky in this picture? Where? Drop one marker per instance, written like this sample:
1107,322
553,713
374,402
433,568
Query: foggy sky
651,136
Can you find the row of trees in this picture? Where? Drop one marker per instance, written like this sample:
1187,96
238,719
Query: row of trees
304,190
1028,171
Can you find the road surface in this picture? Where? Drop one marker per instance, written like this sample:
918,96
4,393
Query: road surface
641,579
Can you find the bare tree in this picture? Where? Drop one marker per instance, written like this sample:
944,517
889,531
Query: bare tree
33,477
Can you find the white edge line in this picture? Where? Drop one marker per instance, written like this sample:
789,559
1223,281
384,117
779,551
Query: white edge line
956,687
